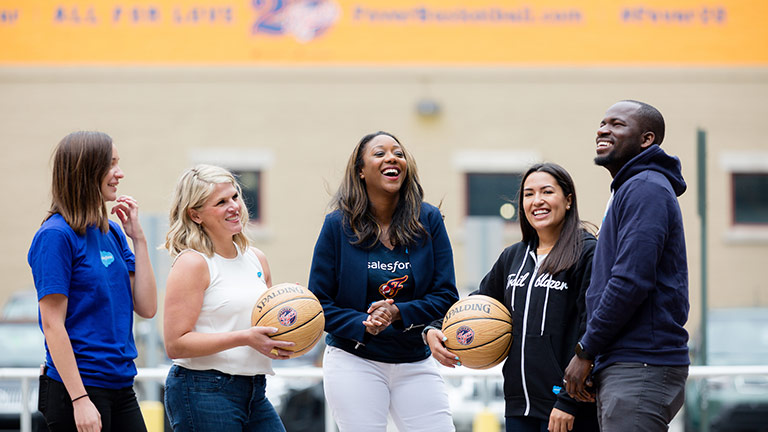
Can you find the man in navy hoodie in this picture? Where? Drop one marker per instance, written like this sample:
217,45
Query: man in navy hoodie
634,352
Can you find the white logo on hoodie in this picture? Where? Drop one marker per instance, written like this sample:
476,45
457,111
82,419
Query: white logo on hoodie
546,281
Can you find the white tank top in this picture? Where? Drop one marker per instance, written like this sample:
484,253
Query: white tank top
235,286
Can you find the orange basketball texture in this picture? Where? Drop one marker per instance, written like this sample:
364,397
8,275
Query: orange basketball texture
478,330
295,312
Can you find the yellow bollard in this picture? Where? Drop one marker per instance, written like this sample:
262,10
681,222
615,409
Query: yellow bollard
486,421
153,415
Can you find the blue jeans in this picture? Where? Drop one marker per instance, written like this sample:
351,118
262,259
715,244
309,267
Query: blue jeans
639,397
214,401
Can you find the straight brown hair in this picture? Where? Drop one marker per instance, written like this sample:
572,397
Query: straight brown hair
80,162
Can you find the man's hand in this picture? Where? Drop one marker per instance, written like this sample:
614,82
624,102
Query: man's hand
575,379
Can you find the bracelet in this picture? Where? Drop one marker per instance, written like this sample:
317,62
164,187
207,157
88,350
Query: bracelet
79,397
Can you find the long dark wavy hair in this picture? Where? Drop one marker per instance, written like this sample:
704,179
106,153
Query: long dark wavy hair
567,249
352,200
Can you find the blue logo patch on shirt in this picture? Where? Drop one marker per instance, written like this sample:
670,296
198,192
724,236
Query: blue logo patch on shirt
107,258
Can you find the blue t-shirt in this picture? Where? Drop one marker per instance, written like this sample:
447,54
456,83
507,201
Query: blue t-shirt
92,270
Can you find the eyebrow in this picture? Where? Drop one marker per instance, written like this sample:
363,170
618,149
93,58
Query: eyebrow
545,186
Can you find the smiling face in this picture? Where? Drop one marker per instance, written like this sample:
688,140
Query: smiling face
384,166
544,203
621,137
220,213
112,179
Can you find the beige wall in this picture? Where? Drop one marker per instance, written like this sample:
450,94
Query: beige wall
308,121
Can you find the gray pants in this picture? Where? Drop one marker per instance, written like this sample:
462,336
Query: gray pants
639,397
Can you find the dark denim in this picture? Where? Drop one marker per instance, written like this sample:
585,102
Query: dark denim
585,421
525,424
639,397
210,400
118,408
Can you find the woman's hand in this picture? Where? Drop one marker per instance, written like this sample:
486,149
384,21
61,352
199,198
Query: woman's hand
380,315
258,339
560,421
435,339
87,417
127,210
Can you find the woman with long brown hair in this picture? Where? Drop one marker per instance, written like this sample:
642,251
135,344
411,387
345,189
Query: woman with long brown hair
89,283
383,269
542,280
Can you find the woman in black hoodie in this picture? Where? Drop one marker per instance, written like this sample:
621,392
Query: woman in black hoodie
542,280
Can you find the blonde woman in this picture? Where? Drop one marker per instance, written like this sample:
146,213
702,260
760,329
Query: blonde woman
217,381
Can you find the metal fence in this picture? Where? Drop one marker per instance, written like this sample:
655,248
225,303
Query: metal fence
29,376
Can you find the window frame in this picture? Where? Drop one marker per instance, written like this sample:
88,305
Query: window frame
514,162
734,222
512,197
743,162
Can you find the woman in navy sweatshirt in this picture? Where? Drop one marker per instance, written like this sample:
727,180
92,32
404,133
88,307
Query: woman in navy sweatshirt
542,280
383,269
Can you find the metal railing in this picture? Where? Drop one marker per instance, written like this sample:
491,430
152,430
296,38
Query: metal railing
27,376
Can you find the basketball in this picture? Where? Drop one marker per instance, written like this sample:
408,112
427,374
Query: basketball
479,331
295,312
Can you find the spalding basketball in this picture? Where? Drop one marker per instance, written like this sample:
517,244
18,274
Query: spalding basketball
479,331
295,312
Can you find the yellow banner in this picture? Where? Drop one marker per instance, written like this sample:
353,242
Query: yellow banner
428,32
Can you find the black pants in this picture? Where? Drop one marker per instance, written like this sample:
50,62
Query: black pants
118,408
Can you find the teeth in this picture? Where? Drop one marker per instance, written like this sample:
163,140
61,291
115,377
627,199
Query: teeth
538,212
603,144
391,171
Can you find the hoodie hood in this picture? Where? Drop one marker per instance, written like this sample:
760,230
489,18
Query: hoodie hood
653,158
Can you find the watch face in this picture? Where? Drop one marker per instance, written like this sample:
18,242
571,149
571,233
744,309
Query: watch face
580,353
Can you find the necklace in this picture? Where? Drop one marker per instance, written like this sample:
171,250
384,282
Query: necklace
543,251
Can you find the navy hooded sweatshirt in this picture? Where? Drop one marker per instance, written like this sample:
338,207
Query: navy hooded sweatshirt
637,300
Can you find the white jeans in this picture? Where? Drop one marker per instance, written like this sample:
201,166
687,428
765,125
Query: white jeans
361,392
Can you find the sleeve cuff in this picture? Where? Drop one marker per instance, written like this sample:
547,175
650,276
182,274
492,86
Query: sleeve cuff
425,331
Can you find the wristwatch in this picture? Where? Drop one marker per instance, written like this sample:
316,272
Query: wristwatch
580,353
424,333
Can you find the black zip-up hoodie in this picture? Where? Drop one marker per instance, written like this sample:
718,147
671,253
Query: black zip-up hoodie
548,317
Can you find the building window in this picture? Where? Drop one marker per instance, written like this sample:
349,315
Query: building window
493,194
750,198
250,182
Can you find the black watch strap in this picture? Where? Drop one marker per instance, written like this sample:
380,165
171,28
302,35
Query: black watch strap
580,353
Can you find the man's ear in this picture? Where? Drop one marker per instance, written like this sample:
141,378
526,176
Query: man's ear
648,139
